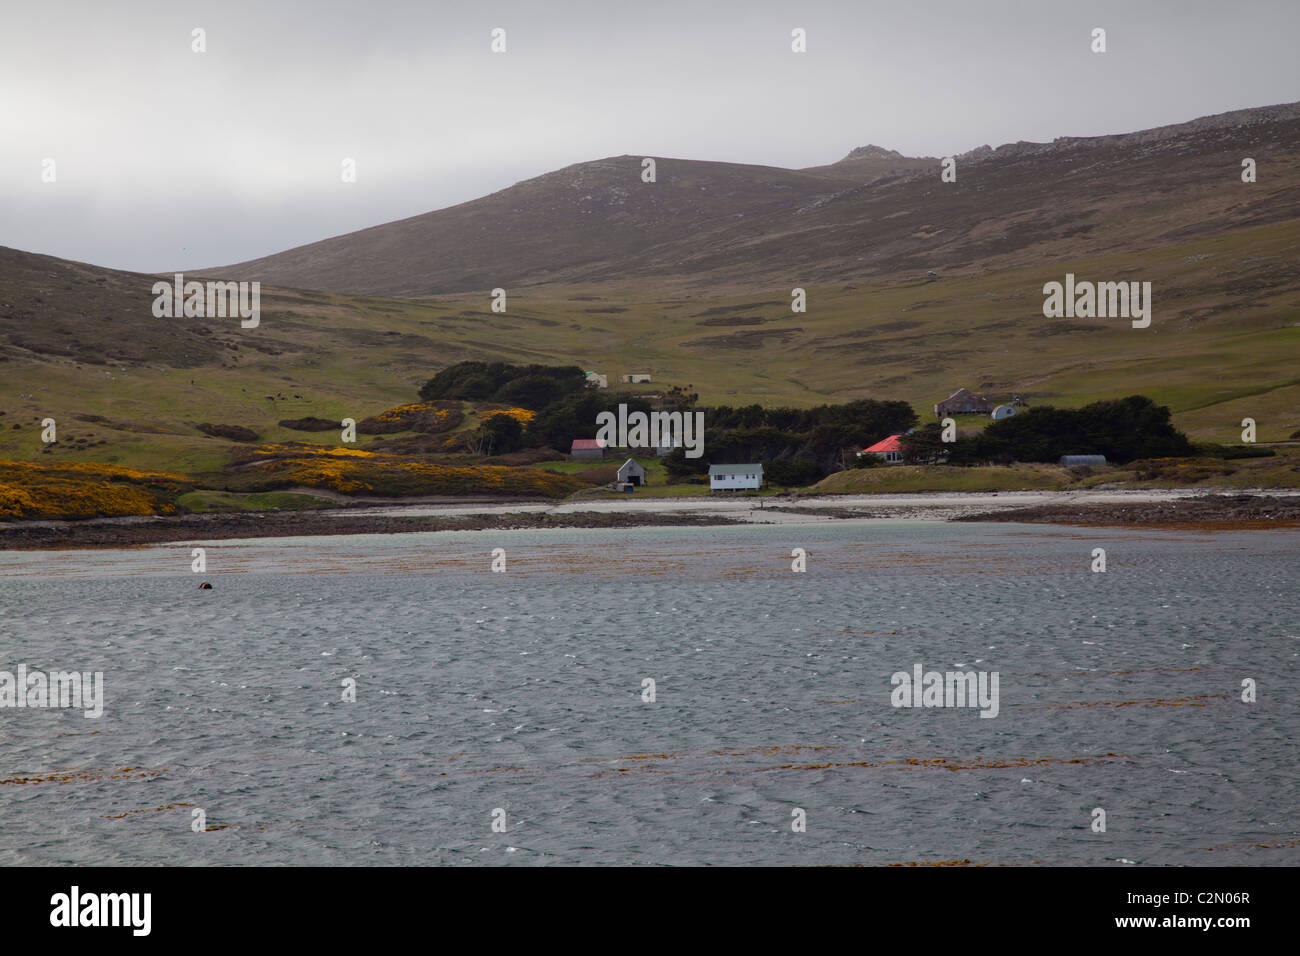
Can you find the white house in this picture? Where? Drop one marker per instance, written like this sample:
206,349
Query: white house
596,380
735,477
636,378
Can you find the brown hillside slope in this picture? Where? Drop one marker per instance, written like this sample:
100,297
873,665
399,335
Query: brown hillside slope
575,221
760,227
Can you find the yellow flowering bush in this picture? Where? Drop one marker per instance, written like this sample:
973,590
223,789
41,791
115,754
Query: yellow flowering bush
428,417
522,415
351,471
74,490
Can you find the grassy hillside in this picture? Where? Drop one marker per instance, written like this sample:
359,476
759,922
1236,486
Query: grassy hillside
914,289
1279,471
1222,346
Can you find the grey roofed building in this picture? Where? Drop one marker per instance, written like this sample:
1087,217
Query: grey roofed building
1069,461
963,402
631,473
731,477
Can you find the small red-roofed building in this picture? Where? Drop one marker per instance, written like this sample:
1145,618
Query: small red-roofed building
587,448
888,449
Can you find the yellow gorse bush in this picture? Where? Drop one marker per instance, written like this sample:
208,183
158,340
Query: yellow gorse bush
522,415
427,417
404,413
353,472
301,449
75,490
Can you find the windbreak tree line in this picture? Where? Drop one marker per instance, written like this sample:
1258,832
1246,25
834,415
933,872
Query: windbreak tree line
528,386
1123,430
796,445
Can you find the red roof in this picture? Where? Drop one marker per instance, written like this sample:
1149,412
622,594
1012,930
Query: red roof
889,444
587,444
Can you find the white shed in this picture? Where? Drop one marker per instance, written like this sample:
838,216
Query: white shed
735,477
631,473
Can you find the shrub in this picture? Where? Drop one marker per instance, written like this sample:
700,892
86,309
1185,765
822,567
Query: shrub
1233,452
791,472
76,490
353,471
233,432
430,418
310,424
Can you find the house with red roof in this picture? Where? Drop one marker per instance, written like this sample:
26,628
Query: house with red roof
887,449
587,448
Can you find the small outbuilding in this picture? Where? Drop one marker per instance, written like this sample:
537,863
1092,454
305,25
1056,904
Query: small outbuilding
1003,411
963,402
583,448
735,477
596,380
631,473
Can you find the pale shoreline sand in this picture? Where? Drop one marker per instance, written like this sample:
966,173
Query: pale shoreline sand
1169,508
938,506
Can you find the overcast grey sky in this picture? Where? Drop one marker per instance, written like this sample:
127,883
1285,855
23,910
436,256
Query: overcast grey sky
170,159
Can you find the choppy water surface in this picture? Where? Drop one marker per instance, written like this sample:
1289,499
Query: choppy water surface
523,691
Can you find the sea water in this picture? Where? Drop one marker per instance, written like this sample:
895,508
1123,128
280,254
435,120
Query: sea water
505,717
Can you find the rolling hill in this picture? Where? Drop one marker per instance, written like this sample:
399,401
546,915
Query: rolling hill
872,214
689,279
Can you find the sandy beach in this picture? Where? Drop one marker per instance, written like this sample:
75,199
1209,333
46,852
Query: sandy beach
805,508
1171,507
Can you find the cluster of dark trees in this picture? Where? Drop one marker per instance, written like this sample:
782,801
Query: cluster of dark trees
1123,430
566,408
796,445
528,386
